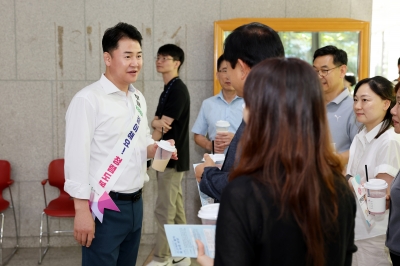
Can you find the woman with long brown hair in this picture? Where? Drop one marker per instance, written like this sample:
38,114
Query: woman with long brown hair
287,202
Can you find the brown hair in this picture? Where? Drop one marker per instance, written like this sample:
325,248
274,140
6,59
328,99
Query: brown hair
286,146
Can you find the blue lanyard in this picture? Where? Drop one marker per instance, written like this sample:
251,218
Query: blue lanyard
166,92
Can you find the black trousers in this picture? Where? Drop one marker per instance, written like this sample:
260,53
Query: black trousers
117,239
395,259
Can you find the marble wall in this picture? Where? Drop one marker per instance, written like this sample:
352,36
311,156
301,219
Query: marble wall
50,49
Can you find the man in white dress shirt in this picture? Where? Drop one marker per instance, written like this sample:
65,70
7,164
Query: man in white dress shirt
107,145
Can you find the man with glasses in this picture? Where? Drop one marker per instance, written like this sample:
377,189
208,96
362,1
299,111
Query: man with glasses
172,119
330,63
226,106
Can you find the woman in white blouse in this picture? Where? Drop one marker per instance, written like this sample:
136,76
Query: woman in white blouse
377,148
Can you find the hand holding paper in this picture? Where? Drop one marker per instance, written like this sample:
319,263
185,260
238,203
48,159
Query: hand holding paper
215,157
182,239
202,258
208,162
204,199
361,198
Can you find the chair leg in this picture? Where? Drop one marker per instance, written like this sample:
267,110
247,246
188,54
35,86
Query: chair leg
6,259
15,219
43,253
1,238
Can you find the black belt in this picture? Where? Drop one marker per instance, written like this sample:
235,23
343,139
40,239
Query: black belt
128,197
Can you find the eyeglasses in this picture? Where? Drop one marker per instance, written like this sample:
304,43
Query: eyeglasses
325,72
162,58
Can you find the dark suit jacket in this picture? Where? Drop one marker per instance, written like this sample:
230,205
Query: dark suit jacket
214,180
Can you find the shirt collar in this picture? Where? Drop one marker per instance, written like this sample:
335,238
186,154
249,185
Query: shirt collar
169,82
341,96
369,136
221,96
110,88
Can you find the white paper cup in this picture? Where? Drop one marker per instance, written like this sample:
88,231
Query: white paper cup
376,195
162,156
222,126
209,213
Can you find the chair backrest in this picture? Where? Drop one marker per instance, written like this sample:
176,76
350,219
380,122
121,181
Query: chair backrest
5,174
5,177
56,174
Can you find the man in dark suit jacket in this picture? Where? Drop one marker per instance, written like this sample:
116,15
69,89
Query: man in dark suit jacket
245,47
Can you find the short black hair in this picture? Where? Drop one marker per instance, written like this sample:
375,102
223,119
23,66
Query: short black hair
122,30
252,43
174,51
351,79
220,60
339,56
398,62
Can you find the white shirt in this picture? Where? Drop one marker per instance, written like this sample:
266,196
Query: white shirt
381,155
95,118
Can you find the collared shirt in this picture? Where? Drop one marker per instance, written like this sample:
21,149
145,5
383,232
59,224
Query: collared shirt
216,108
382,156
342,121
95,118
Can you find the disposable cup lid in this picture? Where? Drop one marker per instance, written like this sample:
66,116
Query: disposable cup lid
222,123
218,157
165,145
376,184
209,212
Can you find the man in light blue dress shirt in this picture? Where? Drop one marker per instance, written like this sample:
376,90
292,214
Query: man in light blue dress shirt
225,106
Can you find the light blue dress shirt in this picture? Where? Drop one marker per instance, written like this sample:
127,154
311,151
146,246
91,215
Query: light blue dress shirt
216,108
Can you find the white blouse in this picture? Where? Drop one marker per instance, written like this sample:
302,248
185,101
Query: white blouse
381,155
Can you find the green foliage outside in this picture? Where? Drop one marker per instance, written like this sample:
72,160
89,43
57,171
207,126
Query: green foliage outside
304,44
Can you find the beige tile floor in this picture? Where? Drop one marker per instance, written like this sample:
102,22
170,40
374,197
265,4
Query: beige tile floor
67,256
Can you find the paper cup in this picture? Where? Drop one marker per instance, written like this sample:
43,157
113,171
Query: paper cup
162,156
376,195
209,213
222,126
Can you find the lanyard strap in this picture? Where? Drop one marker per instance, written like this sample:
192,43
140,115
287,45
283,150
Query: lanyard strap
165,94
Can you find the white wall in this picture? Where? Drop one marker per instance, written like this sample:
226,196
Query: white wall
385,38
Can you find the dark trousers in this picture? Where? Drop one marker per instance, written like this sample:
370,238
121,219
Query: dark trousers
395,259
117,239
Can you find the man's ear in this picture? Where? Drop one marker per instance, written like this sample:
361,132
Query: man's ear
107,58
244,69
343,71
177,64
